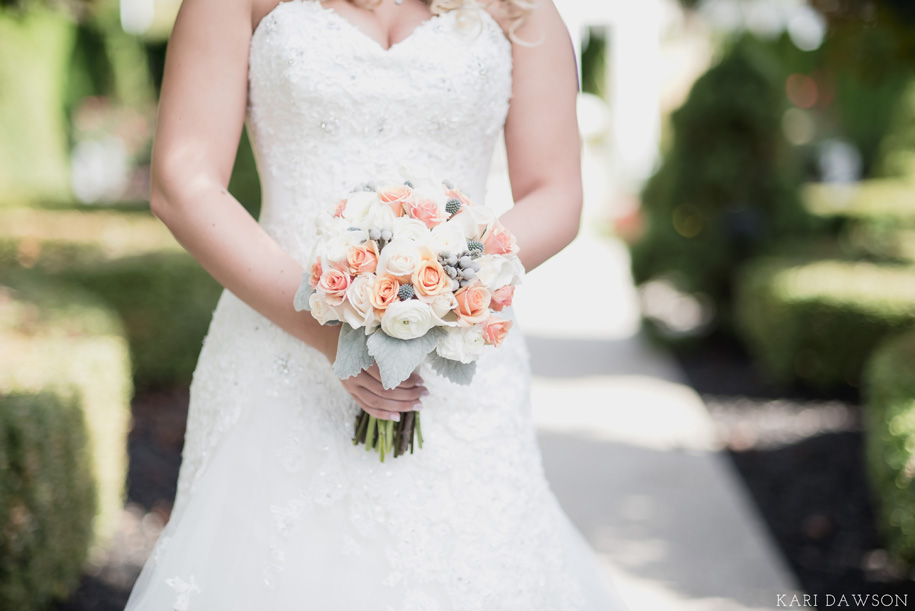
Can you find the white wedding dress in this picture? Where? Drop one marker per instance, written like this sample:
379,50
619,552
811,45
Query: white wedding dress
276,508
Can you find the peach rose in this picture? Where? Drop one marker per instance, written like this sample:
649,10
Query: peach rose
473,303
339,208
425,210
429,279
495,330
384,292
502,297
362,259
454,193
334,284
396,197
316,273
499,241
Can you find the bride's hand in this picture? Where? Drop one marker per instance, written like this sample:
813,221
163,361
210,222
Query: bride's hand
366,387
367,390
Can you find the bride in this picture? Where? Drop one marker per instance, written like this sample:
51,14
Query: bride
276,508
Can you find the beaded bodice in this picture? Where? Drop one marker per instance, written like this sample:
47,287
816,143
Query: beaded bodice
436,100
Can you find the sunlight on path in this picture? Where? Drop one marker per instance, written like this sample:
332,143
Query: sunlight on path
629,450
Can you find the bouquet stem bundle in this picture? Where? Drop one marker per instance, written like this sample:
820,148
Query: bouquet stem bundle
387,436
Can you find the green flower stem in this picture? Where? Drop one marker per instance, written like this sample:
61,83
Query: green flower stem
389,436
362,423
381,442
419,430
370,440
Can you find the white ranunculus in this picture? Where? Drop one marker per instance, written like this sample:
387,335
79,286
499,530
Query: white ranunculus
321,312
357,309
407,319
407,228
358,205
381,216
497,271
399,258
464,344
448,237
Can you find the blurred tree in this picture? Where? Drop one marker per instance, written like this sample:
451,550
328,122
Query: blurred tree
727,189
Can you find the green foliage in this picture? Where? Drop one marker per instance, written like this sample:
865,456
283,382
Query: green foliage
245,185
166,301
818,321
132,263
890,442
872,219
34,55
726,190
64,419
896,156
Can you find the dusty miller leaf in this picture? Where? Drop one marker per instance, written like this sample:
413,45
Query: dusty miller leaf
300,302
352,354
397,358
456,371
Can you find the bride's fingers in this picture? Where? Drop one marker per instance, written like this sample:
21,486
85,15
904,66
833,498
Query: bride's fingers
411,395
379,407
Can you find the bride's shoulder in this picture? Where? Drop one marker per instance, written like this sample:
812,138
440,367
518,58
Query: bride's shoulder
517,18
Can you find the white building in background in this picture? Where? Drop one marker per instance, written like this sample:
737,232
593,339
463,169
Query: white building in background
634,29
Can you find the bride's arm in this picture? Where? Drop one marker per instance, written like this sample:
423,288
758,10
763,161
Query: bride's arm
201,114
541,139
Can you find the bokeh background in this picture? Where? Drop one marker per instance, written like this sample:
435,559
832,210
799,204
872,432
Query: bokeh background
749,168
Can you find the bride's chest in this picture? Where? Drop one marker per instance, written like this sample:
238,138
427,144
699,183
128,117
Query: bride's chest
313,70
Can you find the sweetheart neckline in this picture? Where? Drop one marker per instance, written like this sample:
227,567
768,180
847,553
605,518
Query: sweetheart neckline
373,43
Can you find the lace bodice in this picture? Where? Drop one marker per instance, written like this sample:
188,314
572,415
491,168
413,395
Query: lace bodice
437,100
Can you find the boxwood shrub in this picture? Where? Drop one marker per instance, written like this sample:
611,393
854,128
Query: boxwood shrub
131,262
889,389
64,418
816,322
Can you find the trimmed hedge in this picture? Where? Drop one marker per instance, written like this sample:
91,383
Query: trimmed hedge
132,262
64,419
871,219
818,321
890,442
727,190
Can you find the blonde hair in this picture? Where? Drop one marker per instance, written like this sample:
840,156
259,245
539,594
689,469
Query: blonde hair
516,11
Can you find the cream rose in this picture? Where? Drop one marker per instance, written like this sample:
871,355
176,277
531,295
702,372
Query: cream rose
358,205
410,229
442,305
464,344
320,310
380,216
448,237
358,310
400,257
407,319
497,271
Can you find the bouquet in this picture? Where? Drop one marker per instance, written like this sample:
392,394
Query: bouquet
413,270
